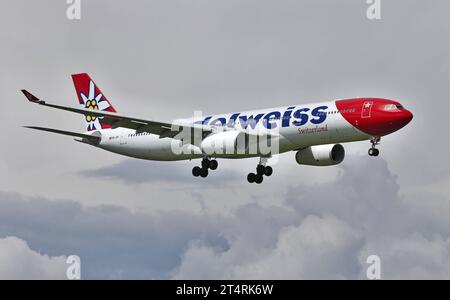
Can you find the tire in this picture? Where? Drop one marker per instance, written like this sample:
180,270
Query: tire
268,171
206,163
203,172
251,177
260,169
213,164
259,179
370,152
196,171
376,152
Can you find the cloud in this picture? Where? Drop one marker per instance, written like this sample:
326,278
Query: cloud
111,241
319,231
411,257
331,231
18,261
133,171
319,248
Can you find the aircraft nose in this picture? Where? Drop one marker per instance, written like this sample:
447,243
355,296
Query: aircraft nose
401,119
406,117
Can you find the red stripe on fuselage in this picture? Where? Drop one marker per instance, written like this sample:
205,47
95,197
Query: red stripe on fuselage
374,116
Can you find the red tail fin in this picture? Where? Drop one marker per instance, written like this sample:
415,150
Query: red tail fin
90,97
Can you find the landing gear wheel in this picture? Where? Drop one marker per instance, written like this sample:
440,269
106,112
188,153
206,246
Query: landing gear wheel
258,179
260,170
268,171
374,152
206,163
251,177
203,172
213,164
196,171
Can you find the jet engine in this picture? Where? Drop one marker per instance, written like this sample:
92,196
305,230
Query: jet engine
323,155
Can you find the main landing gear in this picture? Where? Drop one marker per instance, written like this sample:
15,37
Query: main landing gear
261,170
373,151
206,164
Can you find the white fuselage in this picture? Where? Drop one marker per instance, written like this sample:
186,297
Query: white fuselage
293,135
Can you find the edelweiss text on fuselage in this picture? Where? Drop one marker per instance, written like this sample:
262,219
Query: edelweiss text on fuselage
299,116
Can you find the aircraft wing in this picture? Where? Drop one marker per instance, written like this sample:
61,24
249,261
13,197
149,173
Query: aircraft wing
140,125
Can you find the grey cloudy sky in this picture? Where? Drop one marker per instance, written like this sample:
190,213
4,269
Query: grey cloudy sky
164,59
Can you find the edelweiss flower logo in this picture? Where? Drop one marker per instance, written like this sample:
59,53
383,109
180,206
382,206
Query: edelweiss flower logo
94,102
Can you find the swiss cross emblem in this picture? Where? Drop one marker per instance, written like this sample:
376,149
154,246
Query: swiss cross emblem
366,111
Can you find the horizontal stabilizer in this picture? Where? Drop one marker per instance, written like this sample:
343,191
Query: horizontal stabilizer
93,139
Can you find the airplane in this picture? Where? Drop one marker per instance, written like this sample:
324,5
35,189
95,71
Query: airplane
315,131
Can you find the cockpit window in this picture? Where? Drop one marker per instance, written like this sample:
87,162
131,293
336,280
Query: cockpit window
390,107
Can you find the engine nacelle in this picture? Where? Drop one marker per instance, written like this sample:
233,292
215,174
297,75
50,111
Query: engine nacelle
323,155
95,142
223,143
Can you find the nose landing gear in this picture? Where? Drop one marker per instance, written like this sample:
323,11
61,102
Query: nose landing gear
373,151
207,163
261,170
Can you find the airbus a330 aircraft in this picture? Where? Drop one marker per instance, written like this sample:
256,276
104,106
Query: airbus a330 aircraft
313,130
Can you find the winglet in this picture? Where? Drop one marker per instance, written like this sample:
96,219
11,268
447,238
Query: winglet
31,97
